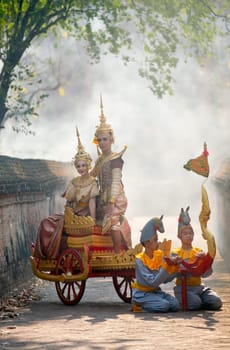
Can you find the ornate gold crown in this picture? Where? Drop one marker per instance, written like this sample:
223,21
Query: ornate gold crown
103,127
81,153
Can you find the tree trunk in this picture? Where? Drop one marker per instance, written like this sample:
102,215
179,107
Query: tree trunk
11,62
4,88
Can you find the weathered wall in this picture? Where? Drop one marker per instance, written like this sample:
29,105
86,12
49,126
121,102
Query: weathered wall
222,185
29,191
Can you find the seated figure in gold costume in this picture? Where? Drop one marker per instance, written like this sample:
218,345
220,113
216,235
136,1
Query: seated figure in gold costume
80,202
112,199
82,190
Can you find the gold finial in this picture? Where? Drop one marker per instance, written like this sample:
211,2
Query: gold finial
102,116
101,105
103,127
80,146
81,153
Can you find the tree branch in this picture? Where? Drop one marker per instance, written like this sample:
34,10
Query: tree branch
225,17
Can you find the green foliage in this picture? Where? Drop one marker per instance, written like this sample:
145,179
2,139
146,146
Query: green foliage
24,105
152,33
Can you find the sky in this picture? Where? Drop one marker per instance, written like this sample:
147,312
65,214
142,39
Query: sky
161,134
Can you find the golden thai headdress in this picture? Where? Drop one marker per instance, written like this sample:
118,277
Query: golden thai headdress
103,127
81,153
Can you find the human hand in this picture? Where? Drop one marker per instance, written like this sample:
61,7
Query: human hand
176,260
201,255
173,260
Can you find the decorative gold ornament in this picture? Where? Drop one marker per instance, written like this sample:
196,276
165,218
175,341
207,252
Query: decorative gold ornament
199,164
203,218
103,127
81,153
45,269
165,246
97,261
74,224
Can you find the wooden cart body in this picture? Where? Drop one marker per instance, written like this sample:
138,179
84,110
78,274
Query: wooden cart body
85,253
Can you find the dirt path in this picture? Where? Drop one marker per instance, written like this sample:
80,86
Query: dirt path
102,321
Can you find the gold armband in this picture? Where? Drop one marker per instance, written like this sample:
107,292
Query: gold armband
112,200
116,184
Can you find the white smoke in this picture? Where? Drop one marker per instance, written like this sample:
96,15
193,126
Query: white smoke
162,135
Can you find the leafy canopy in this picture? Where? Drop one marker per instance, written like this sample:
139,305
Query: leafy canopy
151,33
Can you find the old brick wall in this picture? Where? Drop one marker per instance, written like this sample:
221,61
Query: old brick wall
29,191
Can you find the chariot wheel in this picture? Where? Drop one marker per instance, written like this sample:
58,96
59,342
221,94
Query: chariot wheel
122,285
70,263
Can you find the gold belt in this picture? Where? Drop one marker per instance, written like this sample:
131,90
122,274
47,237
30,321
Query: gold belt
142,288
83,204
191,283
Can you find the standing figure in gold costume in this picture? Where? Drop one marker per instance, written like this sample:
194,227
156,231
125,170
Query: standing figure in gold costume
112,198
82,190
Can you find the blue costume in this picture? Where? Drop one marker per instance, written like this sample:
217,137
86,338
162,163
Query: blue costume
199,296
150,273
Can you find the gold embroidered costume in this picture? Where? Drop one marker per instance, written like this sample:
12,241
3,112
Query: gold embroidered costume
79,192
82,188
112,198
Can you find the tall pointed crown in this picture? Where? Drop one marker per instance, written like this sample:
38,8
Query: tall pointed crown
81,153
103,127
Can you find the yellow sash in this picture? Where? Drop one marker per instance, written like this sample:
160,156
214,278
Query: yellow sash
142,288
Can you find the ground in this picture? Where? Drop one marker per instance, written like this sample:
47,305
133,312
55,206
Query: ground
102,321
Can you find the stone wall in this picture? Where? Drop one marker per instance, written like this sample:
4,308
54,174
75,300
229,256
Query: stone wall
222,186
30,190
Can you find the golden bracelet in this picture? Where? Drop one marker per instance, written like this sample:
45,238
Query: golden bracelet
112,200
